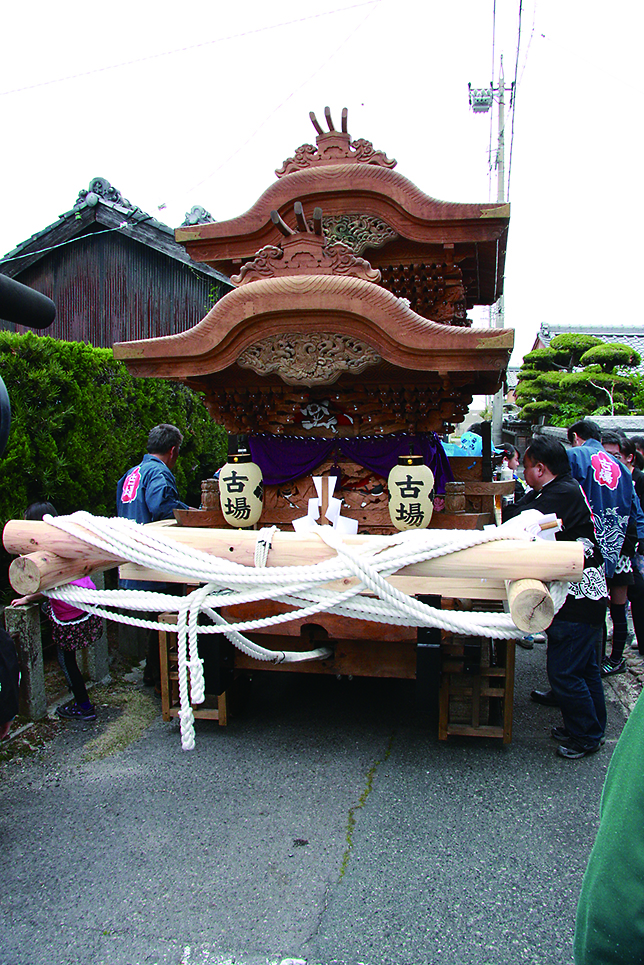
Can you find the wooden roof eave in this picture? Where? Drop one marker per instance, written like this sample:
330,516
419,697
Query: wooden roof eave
69,226
347,189
106,215
317,303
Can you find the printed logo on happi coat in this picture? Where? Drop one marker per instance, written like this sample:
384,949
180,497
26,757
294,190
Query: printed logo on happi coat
131,486
606,470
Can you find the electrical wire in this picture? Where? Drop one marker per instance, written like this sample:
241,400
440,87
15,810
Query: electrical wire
489,153
527,50
181,50
514,97
374,4
71,241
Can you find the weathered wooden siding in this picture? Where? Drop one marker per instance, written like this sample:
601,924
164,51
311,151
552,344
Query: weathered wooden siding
108,288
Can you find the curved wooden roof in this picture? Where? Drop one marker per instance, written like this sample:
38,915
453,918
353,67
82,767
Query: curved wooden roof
425,228
309,312
398,224
318,303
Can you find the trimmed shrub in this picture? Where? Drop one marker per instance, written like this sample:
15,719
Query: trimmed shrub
79,421
610,356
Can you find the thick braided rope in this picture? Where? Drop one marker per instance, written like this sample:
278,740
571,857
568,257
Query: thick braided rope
387,556
226,583
263,545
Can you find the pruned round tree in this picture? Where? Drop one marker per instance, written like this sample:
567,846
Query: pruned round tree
577,376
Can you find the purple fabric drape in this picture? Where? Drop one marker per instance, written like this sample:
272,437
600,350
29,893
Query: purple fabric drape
285,458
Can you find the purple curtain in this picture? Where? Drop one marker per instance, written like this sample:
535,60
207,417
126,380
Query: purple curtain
285,458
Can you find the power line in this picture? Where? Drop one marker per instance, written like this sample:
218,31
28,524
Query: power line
63,244
514,96
527,50
374,4
489,153
89,234
180,50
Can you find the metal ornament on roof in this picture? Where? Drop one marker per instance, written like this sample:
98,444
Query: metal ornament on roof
411,493
101,188
241,490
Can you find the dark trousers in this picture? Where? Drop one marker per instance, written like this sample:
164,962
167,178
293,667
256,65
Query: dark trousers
573,671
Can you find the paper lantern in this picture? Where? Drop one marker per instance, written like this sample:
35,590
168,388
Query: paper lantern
411,493
241,490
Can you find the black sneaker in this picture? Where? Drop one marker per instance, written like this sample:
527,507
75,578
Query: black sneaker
608,668
74,711
561,734
573,752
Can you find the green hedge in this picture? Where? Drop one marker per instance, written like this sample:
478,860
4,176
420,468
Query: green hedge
79,420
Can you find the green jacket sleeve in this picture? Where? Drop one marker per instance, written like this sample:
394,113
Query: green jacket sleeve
610,913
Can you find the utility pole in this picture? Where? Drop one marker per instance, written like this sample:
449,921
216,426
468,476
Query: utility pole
481,101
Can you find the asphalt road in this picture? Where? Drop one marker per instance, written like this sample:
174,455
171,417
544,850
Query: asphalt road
325,824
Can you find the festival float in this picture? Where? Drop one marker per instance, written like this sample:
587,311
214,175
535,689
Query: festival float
340,537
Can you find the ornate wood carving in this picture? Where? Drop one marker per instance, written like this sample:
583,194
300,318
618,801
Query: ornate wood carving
422,225
357,231
334,147
346,409
434,291
309,343
304,253
308,359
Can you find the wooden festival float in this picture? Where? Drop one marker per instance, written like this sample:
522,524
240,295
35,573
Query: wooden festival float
345,346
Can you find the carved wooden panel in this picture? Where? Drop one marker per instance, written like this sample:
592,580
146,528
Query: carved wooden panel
308,359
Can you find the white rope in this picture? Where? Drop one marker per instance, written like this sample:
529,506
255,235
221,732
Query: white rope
226,583
263,544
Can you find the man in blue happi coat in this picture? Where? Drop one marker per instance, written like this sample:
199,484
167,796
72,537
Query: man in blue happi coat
147,493
608,486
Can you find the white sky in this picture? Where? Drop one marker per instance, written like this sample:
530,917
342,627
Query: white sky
209,125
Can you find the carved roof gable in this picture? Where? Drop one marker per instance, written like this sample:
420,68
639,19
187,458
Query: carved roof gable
333,147
304,252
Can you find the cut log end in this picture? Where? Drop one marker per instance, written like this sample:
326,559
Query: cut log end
24,576
531,606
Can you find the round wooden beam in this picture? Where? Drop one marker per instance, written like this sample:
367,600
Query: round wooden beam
531,605
507,560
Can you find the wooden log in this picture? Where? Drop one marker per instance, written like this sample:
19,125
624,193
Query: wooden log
531,605
25,571
473,589
506,560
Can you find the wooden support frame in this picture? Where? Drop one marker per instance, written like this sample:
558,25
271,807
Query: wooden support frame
474,691
168,659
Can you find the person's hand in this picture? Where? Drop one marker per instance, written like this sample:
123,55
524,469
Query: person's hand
21,601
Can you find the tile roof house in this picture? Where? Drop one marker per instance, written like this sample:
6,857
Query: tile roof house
114,272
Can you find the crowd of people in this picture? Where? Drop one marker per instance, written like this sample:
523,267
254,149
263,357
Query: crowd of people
595,488
592,488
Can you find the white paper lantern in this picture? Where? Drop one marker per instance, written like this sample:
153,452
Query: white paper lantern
241,490
411,493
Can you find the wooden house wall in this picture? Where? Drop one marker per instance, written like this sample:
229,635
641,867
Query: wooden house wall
108,288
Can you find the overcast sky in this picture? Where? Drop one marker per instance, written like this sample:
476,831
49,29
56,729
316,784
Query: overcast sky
198,103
